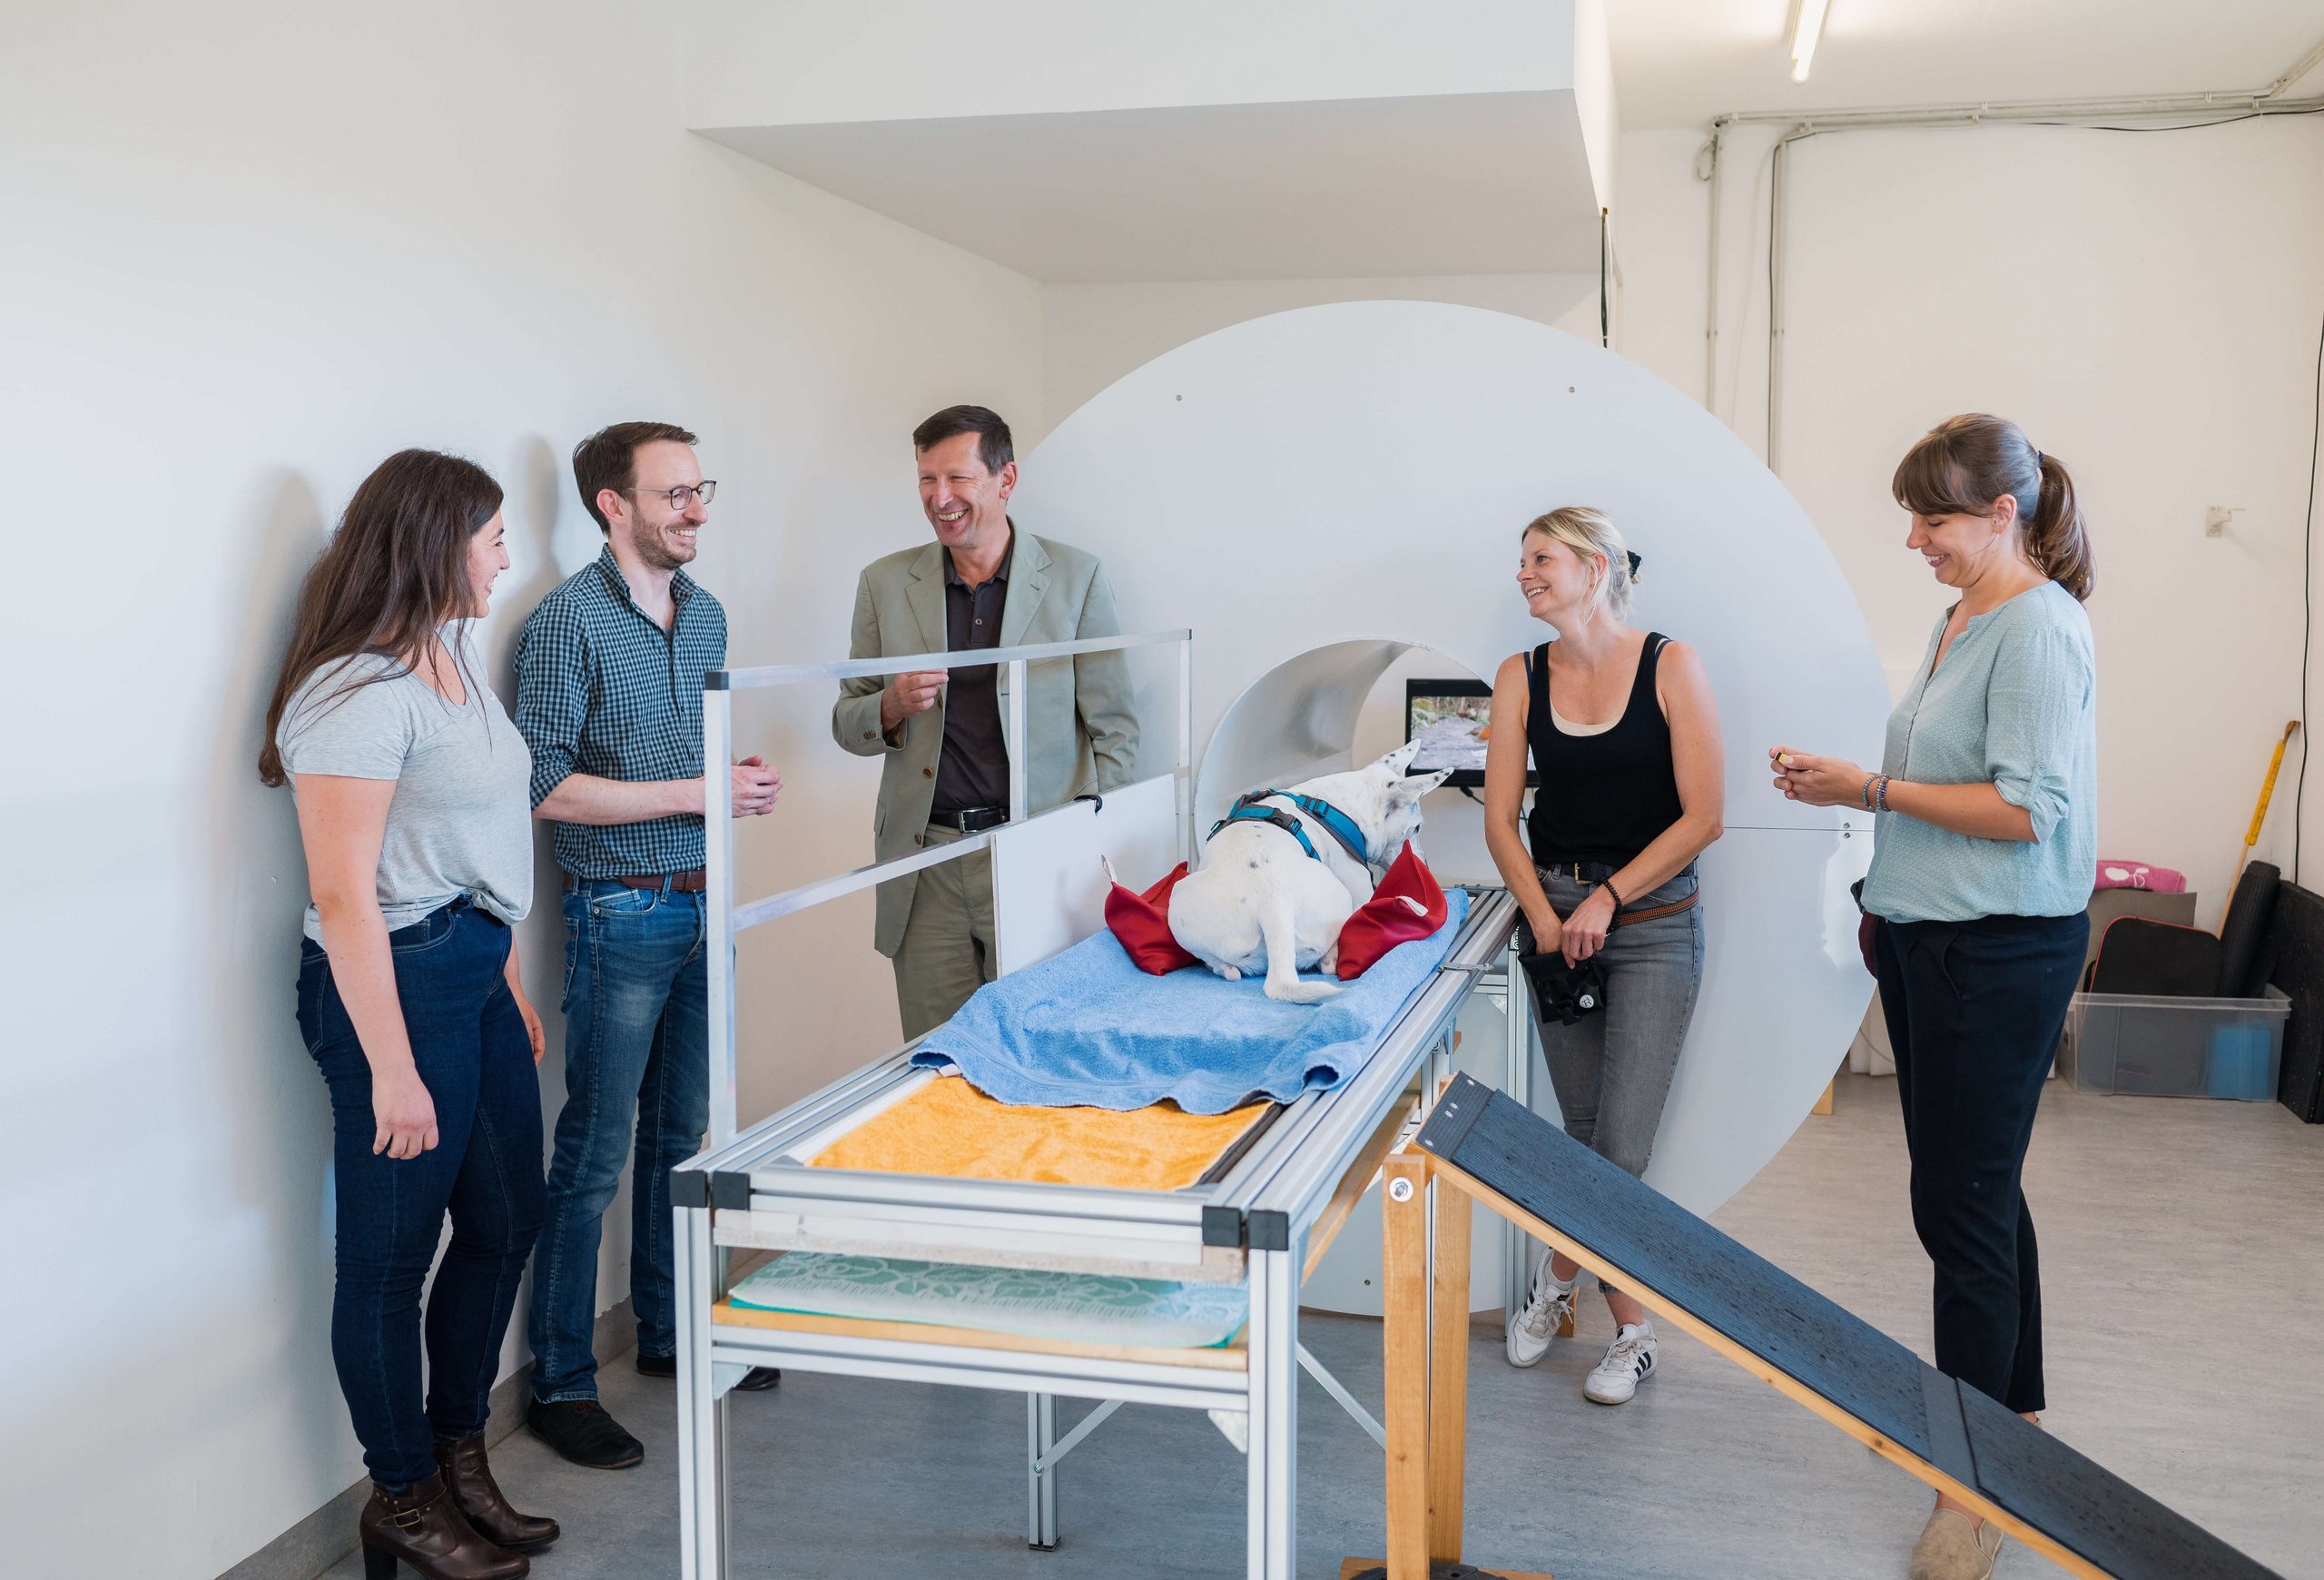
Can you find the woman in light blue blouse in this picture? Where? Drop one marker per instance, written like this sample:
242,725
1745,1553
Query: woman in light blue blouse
1985,846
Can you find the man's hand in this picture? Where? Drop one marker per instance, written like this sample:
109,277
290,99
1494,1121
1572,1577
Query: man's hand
756,787
907,695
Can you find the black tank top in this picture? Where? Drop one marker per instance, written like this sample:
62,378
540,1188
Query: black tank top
1602,797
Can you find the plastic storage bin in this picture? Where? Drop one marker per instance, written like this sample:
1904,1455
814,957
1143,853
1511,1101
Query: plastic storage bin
2130,1045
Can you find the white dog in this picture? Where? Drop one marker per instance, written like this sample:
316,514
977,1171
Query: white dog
1263,900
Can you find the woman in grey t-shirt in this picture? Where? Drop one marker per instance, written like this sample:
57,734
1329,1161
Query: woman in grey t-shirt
413,807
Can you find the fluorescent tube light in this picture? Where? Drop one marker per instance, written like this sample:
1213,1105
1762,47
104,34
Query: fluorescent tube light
1804,33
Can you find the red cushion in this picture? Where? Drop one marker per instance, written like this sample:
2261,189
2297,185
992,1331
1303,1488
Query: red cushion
1142,923
1408,904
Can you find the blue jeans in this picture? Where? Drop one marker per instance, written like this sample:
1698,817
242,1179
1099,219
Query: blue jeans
636,1057
469,1045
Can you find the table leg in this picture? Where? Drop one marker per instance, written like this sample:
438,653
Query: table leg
1448,1373
1403,1306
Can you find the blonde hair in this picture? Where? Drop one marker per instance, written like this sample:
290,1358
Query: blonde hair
1590,532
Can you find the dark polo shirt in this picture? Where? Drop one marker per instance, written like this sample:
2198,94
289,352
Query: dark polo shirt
972,770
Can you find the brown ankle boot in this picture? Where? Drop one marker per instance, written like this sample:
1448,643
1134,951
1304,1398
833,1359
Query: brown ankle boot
425,1528
470,1476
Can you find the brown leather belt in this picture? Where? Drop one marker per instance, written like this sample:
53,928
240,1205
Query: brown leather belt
1655,912
692,882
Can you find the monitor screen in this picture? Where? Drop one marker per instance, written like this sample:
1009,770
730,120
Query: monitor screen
1451,720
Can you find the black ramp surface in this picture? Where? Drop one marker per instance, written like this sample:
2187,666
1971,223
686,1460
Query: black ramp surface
2082,1507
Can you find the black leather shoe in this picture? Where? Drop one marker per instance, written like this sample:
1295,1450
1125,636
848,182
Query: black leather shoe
757,1380
582,1431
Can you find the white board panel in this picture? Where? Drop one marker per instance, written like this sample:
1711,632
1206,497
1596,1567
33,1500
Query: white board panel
1048,883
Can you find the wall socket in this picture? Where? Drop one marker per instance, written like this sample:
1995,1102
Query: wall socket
2217,519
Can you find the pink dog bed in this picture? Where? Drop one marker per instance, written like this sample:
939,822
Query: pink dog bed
2114,874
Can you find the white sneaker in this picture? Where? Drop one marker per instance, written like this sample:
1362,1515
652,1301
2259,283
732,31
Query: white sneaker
1548,1313
1630,1361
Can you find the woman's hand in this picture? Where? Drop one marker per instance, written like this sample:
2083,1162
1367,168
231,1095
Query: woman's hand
1586,926
516,980
405,1113
533,1033
1547,931
1816,780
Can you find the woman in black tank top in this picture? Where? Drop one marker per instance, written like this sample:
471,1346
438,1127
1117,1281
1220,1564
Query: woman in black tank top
1624,739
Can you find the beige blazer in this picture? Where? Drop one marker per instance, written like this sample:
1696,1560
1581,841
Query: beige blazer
1078,712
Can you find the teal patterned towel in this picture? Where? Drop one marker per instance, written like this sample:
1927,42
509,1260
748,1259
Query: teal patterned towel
1083,1307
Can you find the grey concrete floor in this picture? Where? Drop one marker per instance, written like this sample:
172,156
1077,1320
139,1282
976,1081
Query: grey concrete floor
2183,1281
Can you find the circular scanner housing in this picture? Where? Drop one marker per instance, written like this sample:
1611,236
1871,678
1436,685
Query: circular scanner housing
1293,486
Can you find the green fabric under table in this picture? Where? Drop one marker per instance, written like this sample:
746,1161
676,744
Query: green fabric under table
1077,1308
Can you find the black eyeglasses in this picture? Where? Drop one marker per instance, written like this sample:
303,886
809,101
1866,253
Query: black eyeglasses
681,497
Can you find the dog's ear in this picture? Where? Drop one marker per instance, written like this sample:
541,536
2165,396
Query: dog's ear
1407,791
1397,761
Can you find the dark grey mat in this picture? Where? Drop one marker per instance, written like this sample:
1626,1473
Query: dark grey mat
2071,1499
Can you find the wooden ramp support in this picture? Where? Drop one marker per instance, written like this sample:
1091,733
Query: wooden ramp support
1480,1145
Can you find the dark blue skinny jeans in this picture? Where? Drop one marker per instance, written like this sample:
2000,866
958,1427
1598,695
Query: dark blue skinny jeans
469,1045
1973,1012
637,1062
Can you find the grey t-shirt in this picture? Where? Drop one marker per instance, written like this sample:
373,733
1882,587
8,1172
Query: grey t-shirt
460,822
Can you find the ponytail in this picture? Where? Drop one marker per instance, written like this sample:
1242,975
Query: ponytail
1964,464
2056,538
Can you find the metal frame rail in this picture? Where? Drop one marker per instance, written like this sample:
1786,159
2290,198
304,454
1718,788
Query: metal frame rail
1251,1225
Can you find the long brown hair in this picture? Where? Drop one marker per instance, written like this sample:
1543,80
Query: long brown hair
1964,464
396,569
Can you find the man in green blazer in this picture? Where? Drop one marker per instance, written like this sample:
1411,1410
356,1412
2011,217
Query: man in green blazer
982,584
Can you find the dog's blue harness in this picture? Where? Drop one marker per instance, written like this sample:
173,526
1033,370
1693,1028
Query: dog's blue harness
1337,824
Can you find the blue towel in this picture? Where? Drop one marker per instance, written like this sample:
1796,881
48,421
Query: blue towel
1087,1029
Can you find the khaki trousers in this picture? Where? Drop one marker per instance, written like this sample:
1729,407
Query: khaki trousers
948,949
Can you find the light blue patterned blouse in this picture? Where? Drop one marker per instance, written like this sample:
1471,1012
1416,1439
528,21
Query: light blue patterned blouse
2016,704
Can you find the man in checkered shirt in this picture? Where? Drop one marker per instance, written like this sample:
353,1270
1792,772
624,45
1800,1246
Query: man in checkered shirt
609,698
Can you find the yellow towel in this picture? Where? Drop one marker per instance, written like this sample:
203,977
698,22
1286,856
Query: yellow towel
949,1127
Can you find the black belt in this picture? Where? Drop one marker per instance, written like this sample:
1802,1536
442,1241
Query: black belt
970,819
1599,872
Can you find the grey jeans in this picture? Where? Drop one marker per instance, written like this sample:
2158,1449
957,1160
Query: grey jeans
1612,1071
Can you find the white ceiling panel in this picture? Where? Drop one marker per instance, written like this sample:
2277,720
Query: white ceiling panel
1679,63
1472,184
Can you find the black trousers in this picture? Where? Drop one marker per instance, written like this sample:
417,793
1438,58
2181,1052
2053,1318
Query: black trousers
1973,1012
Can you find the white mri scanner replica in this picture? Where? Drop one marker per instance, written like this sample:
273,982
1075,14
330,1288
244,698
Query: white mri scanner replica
1316,494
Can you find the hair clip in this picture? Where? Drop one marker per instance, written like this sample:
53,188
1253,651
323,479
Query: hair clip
1631,554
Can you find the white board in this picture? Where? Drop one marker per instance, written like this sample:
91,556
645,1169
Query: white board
1049,883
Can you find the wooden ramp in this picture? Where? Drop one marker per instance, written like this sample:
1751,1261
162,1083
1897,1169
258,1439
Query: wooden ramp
1479,1144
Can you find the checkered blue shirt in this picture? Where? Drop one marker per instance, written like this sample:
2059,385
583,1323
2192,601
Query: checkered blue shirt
601,689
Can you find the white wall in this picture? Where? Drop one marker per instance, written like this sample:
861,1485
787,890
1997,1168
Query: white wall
2146,305
1097,333
800,62
250,249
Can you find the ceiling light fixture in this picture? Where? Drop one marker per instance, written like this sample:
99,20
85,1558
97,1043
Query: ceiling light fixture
1807,30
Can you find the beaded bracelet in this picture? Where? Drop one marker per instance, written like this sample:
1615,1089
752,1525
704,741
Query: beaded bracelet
1880,797
1864,794
1607,885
